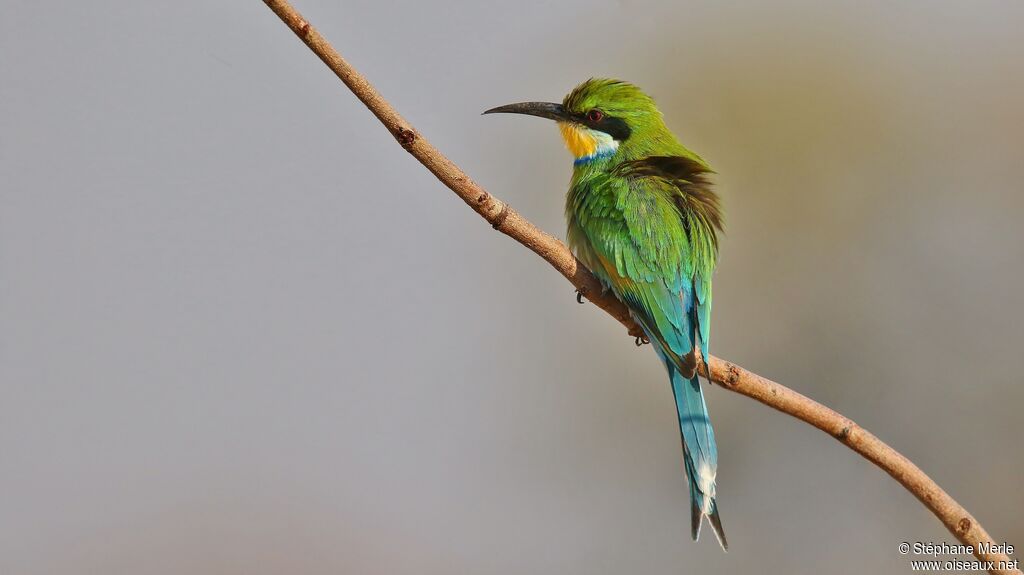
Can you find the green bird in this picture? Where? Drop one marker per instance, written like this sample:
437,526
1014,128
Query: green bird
642,216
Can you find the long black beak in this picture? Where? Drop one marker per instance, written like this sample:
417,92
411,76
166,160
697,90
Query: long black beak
541,109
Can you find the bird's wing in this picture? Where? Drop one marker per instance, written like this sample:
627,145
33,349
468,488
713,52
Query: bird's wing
687,181
702,291
635,233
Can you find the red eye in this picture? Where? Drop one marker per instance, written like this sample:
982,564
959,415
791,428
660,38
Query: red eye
595,115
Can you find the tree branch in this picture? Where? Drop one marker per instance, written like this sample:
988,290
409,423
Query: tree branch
503,218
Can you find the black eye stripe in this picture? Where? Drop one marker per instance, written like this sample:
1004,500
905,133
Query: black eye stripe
615,127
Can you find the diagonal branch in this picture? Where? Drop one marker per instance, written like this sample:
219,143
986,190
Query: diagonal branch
727,374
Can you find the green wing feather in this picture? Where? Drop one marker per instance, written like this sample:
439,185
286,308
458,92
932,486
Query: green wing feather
648,230
630,232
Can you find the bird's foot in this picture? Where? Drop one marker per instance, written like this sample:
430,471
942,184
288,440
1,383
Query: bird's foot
579,297
642,340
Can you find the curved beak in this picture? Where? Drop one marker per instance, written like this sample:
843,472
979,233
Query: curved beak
540,109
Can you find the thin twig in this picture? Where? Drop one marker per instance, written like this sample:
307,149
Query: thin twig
727,374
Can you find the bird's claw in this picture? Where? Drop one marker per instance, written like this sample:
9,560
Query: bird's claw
579,297
642,340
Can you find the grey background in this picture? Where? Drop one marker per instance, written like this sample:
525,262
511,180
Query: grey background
242,332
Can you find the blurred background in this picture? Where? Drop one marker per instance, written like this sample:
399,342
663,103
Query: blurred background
241,331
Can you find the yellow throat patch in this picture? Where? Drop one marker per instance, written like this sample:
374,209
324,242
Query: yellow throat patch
586,144
578,139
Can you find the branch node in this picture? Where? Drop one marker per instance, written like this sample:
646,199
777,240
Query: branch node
963,526
405,136
501,217
732,374
302,29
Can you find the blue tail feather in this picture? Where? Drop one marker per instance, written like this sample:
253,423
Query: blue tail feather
700,454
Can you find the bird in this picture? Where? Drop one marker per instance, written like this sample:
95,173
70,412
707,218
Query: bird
642,215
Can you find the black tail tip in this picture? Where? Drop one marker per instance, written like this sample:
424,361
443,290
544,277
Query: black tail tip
696,518
716,525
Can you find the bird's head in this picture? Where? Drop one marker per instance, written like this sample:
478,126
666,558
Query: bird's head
601,118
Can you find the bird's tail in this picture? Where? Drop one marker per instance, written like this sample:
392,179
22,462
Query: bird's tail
700,454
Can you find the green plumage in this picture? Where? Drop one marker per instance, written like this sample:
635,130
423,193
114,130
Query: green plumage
641,215
636,230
